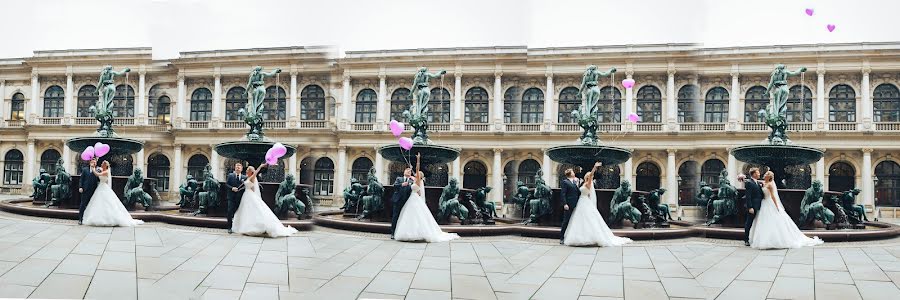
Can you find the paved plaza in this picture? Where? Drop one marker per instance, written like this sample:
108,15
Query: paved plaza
47,258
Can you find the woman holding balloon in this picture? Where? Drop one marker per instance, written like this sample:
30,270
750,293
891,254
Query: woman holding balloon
253,216
104,207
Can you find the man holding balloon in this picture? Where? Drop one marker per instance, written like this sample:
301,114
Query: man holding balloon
86,186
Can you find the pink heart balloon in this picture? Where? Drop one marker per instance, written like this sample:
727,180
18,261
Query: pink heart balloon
88,153
830,27
809,12
397,128
406,143
628,83
271,160
101,150
634,118
278,150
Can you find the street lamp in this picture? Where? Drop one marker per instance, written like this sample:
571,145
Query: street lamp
678,178
875,180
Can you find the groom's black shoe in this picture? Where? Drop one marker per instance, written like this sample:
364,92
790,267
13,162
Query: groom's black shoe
392,236
230,231
561,242
747,243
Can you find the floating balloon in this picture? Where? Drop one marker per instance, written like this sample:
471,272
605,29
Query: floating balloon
406,143
634,118
830,27
271,160
809,12
101,149
397,128
278,150
88,153
628,83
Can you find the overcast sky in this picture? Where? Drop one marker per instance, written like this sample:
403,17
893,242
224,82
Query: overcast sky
172,26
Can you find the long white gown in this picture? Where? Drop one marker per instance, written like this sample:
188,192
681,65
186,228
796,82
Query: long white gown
253,216
586,225
416,222
105,209
773,228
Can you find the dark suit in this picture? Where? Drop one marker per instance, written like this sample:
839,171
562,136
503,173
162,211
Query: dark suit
234,198
753,195
88,184
568,194
401,194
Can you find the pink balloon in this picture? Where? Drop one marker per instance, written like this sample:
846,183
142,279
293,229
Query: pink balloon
634,118
830,27
628,83
809,12
278,150
406,143
101,150
271,160
88,153
397,128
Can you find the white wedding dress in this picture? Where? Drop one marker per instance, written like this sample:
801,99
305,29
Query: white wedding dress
773,228
586,225
416,222
253,216
105,209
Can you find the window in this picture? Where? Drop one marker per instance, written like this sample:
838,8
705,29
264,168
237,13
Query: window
401,100
568,102
755,100
87,96
436,175
14,165
476,100
716,105
54,98
648,177
160,106
649,104
323,182
366,106
533,106
360,169
799,109
158,168
886,102
17,107
275,104
841,177
710,172
312,103
887,192
474,175
690,183
609,107
196,164
123,102
527,170
439,106
511,106
48,161
608,178
688,98
797,177
201,105
235,100
841,104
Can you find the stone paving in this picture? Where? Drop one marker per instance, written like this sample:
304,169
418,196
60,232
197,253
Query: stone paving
49,258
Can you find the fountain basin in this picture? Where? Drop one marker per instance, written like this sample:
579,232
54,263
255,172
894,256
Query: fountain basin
252,152
117,145
585,156
777,154
431,154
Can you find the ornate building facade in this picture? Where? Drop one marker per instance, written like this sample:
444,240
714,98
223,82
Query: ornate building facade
503,106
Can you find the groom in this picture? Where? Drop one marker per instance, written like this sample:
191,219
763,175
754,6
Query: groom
569,195
402,191
752,200
235,191
86,187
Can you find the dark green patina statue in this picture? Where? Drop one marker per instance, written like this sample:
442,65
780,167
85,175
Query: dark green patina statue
488,208
539,204
725,204
252,113
776,112
417,115
286,199
856,213
659,212
60,188
620,207
209,197
450,205
134,191
586,114
352,195
186,192
522,193
372,202
812,208
40,185
103,109
704,195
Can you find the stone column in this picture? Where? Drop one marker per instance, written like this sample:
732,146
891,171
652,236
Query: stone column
292,165
142,102
457,110
2,102
545,166
217,113
497,176
180,104
344,109
215,162
866,99
671,100
868,187
69,106
628,171
671,178
177,167
381,113
379,166
549,108
30,159
292,102
141,161
734,109
732,168
457,170
32,112
340,177
821,103
67,158
820,170
498,100
628,107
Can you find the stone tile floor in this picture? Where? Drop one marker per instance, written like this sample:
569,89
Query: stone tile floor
49,258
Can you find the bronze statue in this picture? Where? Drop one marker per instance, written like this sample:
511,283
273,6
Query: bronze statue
134,191
856,212
488,208
776,113
450,205
812,208
417,116
286,199
103,109
352,195
522,193
704,195
253,111
186,192
372,202
587,112
659,211
620,207
60,188
725,204
539,204
40,184
209,197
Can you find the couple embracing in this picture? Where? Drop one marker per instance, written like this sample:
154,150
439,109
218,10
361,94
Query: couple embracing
411,219
582,223
767,225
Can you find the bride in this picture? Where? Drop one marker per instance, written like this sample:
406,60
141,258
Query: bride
104,208
253,216
586,226
773,228
416,222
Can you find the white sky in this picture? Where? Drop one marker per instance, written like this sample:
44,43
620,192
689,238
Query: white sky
172,26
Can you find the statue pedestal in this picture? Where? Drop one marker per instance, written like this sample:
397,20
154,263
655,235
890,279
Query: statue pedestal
118,186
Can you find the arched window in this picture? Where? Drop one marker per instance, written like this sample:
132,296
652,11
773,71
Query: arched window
690,182
158,168
527,170
123,102
54,98
366,106
13,167
886,103
439,106
401,100
323,181
436,175
887,192
798,177
649,104
841,177
710,172
533,106
477,105
512,108
48,161
360,169
755,100
716,105
87,96
312,103
610,105
568,101
196,164
160,106
17,107
688,98
275,104
201,105
799,109
648,177
474,175
842,104
235,99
